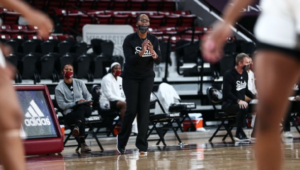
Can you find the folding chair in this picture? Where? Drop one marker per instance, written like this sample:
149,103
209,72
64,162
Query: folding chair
168,119
295,114
91,123
107,116
215,97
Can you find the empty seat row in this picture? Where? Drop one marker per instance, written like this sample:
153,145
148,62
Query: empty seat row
9,17
20,37
62,11
21,47
36,67
180,30
155,5
21,29
77,21
47,64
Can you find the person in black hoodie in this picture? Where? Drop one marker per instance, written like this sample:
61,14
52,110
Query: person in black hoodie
235,87
141,51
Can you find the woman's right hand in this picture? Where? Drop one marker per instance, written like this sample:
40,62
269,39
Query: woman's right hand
145,45
81,100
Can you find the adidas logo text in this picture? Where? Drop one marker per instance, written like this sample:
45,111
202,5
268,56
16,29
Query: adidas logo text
37,121
35,117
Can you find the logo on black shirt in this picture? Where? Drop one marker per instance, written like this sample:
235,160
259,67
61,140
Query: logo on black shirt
139,49
240,85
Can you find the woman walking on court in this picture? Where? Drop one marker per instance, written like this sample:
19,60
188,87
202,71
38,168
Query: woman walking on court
141,51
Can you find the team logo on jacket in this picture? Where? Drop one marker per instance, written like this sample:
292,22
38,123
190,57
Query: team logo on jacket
139,49
35,117
240,85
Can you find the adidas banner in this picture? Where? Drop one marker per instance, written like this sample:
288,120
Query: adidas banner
37,122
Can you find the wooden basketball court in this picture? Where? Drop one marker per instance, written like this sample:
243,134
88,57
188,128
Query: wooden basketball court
197,153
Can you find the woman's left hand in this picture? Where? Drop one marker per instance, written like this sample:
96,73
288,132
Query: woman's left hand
150,48
154,55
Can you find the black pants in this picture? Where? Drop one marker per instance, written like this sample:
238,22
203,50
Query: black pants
137,94
77,117
240,117
294,108
287,124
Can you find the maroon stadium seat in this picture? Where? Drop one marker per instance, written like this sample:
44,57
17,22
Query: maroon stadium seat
10,17
83,20
32,29
71,3
120,19
153,5
19,28
104,19
5,29
172,20
17,36
156,20
64,37
187,20
169,5
34,37
5,36
137,5
120,5
103,5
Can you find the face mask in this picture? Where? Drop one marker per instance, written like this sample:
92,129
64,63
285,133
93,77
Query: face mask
143,29
117,73
68,74
246,67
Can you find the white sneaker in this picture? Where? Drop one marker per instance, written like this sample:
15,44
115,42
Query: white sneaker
252,139
245,139
288,135
143,153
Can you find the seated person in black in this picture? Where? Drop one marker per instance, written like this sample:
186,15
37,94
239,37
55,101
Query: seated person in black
69,93
235,89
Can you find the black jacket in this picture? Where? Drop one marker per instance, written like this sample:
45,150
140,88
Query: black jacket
136,66
235,86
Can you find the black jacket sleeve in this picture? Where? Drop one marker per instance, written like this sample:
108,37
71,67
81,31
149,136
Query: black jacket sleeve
129,53
158,52
227,88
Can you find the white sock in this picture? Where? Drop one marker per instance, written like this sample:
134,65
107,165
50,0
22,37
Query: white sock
253,121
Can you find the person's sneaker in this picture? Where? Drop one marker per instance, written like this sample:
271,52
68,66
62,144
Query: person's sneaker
119,149
241,139
75,131
143,153
288,135
85,148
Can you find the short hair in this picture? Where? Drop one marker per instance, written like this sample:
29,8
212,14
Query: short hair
67,65
240,58
138,17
